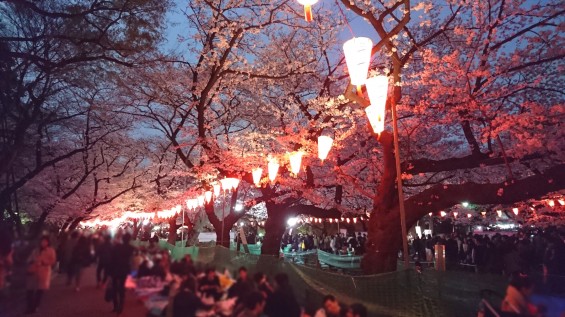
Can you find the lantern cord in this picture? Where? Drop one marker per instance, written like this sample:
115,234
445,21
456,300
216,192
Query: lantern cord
345,18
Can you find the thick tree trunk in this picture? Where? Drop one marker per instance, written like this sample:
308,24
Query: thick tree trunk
384,240
274,229
172,239
225,239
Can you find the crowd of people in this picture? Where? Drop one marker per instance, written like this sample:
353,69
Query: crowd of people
339,243
189,287
498,253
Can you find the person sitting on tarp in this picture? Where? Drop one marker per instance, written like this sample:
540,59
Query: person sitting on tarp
330,307
517,296
242,286
209,285
186,303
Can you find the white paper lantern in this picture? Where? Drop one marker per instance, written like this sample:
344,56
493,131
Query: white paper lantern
208,196
273,169
217,189
295,159
324,146
257,173
358,57
499,213
377,88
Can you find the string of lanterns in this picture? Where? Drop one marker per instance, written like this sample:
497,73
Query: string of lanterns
515,210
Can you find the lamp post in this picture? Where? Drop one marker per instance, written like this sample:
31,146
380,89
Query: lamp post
399,181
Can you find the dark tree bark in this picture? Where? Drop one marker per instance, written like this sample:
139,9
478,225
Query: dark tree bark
172,239
274,228
75,223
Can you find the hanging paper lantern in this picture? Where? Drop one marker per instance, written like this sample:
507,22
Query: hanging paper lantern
201,200
308,8
483,213
499,213
354,220
234,183
295,159
561,202
515,210
217,188
273,168
348,220
358,57
469,215
208,196
551,203
442,213
430,214
226,184
455,213
257,173
331,220
324,146
377,88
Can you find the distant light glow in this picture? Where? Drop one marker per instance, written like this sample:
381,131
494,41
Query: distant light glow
469,215
465,204
515,211
551,203
238,207
442,213
499,213
292,221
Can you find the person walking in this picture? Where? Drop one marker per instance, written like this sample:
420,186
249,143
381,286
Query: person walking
80,259
39,270
103,253
120,267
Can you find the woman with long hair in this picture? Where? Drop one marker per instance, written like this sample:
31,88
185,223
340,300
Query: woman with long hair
40,263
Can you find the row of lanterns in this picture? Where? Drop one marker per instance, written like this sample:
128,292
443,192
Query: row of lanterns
443,214
295,159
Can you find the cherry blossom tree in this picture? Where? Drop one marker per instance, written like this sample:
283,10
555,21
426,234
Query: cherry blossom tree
54,54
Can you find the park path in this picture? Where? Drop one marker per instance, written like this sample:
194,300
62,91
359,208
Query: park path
64,301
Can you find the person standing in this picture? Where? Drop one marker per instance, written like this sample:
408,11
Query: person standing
80,259
120,267
67,254
6,257
39,269
103,253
